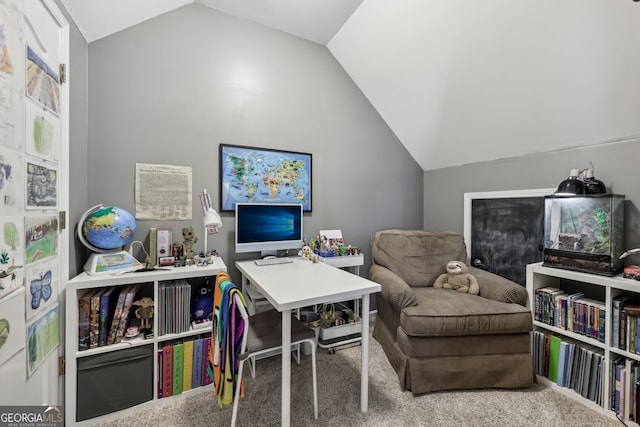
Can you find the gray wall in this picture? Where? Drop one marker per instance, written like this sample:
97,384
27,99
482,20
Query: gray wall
171,89
616,164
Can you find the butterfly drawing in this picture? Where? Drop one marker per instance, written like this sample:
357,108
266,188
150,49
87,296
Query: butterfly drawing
40,289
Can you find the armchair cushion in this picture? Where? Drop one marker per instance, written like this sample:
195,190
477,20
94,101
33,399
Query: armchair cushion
447,313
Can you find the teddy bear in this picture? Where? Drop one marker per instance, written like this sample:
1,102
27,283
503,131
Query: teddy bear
458,279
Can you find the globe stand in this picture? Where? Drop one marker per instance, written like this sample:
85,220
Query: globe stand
112,228
111,263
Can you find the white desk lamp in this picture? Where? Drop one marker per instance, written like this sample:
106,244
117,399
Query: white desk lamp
212,222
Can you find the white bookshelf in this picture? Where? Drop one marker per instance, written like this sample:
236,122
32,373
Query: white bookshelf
539,276
150,283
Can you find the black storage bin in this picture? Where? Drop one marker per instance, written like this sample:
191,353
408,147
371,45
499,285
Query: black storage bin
113,381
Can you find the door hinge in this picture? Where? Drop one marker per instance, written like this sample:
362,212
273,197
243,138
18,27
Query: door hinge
61,366
62,220
63,73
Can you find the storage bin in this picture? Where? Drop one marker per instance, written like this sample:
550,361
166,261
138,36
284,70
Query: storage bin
113,381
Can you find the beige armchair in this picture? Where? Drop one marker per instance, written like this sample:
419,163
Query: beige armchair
440,339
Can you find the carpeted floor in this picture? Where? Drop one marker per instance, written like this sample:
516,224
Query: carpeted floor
339,401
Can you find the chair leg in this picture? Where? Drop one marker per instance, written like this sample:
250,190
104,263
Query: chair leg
236,398
315,383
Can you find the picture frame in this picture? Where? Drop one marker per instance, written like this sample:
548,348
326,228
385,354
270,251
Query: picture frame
264,175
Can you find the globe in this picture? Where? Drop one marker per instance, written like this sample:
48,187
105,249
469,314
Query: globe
106,228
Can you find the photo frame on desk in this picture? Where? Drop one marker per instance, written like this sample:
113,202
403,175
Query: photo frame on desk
263,175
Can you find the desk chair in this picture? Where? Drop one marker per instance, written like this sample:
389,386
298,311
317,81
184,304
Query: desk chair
263,335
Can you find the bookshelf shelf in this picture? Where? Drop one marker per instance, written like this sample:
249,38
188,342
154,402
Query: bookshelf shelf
78,363
600,292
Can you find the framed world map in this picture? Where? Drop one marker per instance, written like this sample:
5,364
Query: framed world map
263,175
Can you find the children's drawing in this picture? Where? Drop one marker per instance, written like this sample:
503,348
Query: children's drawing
11,253
41,237
42,339
43,133
42,183
43,83
12,325
11,77
11,181
42,287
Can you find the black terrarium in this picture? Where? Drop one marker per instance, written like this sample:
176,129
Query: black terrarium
584,233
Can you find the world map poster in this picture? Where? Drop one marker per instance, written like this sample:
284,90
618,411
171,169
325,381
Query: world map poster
259,175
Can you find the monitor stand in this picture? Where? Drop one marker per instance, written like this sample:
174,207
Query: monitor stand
269,253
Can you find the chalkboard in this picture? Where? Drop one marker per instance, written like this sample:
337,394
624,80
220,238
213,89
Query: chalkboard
506,235
504,230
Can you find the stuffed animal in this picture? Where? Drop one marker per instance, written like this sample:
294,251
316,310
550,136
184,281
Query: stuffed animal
458,279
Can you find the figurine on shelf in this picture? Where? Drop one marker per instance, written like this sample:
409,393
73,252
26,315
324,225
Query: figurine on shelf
189,240
144,312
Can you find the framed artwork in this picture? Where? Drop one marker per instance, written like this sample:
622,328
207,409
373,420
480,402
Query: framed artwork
503,230
263,175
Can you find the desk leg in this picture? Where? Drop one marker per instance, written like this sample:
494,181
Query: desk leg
364,379
286,367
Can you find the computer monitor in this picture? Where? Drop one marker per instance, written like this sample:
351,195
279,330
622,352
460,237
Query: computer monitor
268,228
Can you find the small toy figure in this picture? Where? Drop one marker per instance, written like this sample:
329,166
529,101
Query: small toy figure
189,240
306,252
144,312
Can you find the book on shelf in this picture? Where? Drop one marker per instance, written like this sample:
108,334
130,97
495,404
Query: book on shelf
617,304
187,376
160,369
206,347
106,314
196,380
178,368
554,354
115,322
94,318
167,370
126,312
562,363
84,318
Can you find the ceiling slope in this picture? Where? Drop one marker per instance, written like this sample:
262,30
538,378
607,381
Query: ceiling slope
461,82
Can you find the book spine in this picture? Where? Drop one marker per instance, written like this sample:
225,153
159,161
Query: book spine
84,327
206,378
116,316
103,333
187,375
197,363
167,371
94,319
153,246
178,367
160,370
126,311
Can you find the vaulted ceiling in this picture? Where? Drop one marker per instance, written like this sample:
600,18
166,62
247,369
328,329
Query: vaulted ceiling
458,81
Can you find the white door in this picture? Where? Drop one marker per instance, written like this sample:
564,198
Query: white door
34,141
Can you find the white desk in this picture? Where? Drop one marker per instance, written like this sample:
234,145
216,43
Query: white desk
303,283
